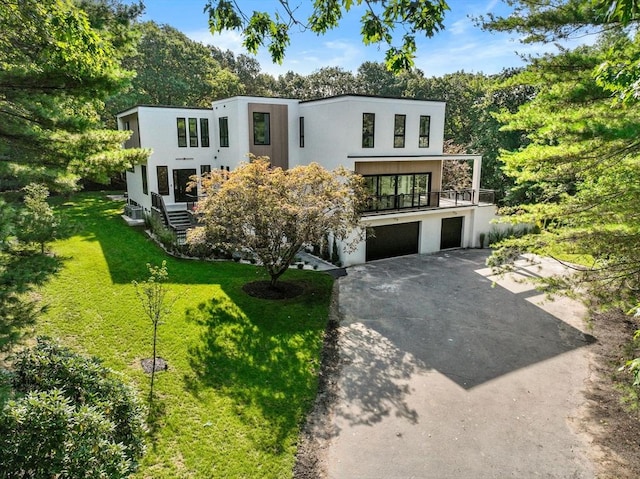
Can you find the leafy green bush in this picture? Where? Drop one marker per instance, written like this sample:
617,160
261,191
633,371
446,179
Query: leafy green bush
63,391
496,235
43,435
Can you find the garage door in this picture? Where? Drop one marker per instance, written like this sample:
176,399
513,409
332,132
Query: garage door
451,233
393,240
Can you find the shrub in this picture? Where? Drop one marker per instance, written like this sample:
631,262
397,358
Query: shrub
335,256
65,389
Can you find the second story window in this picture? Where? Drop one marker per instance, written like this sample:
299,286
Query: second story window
398,131
182,132
223,128
204,132
425,124
261,129
368,129
193,132
302,132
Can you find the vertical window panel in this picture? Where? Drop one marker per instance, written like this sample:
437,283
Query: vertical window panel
193,132
163,180
182,132
425,125
261,128
204,132
145,180
302,132
399,131
223,128
368,129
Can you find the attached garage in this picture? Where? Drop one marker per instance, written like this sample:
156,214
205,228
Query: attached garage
451,233
393,240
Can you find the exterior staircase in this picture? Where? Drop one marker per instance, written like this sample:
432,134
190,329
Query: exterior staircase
180,220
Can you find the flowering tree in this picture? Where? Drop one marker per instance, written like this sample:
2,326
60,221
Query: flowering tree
271,213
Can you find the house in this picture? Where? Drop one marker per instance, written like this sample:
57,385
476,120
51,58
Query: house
395,143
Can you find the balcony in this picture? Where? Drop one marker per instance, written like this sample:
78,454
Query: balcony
428,201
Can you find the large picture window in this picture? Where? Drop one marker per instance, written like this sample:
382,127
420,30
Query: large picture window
223,128
425,125
261,128
394,192
204,132
368,129
163,180
399,130
193,132
182,132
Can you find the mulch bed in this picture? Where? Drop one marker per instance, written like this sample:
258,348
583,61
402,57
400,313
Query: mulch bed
147,365
264,290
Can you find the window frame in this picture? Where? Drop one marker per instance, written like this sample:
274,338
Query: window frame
301,131
204,169
145,179
368,136
399,138
266,119
223,130
423,136
193,132
181,125
376,199
162,179
204,133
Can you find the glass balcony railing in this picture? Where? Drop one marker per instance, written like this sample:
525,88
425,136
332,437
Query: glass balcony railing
431,200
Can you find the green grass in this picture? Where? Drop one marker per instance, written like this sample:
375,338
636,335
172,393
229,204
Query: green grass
242,371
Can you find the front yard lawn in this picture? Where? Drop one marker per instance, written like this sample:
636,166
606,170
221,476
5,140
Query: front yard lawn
242,371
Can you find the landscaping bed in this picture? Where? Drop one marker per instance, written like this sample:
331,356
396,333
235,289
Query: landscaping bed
243,371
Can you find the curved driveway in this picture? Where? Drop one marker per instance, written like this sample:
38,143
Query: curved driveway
448,375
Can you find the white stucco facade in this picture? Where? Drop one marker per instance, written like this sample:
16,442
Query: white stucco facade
404,144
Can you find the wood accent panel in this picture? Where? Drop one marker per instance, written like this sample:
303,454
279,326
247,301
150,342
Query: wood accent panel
400,167
278,150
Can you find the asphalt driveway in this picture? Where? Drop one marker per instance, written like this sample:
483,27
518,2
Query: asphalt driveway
446,374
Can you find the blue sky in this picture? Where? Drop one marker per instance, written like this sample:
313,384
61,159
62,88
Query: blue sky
461,46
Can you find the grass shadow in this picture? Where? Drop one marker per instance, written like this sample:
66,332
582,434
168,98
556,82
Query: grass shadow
156,415
266,361
21,272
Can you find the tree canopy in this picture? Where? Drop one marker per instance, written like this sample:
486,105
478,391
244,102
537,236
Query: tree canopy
270,213
380,23
56,70
171,69
582,160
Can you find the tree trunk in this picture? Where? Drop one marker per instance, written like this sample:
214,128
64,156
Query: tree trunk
153,361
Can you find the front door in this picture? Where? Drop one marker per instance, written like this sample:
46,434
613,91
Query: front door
181,179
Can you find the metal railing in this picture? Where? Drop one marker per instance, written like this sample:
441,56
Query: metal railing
430,200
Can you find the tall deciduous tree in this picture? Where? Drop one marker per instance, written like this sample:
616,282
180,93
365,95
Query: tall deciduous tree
172,69
381,22
56,69
271,213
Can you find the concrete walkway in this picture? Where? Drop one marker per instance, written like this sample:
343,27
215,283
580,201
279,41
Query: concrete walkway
447,375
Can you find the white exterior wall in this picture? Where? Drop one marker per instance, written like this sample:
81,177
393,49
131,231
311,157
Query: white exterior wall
158,132
236,109
333,129
333,137
475,221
